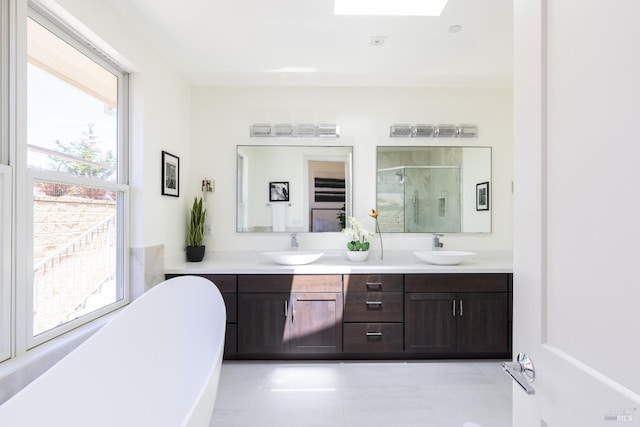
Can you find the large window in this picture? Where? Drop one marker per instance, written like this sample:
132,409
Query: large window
76,173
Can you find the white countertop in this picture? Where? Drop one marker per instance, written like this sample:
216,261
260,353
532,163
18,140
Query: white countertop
336,262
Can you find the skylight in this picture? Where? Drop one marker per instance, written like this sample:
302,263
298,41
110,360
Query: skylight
389,7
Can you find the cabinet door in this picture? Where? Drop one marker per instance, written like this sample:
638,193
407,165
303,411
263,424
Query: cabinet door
316,323
483,323
262,323
430,323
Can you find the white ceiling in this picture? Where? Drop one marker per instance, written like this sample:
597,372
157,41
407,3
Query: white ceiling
237,42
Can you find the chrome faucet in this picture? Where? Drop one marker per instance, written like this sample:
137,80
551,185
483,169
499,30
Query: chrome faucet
294,242
437,244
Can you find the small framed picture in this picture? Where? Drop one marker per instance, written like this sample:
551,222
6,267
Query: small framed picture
170,175
482,196
279,191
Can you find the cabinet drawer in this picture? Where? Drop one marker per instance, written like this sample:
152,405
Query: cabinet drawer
224,282
373,337
475,282
373,283
289,283
373,307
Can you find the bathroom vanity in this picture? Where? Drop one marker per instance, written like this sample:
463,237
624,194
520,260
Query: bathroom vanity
399,308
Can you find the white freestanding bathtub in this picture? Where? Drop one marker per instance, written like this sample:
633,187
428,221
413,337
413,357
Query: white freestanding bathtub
157,363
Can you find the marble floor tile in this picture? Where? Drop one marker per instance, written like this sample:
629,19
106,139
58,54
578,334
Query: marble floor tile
354,393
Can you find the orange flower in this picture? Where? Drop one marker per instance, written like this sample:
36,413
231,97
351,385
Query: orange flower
374,214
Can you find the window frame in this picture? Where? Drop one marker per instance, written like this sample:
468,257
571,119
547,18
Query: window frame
7,95
25,340
5,261
4,81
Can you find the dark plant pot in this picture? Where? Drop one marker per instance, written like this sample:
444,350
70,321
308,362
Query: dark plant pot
195,253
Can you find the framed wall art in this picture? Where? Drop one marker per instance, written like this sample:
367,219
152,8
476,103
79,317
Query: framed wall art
279,191
170,175
482,196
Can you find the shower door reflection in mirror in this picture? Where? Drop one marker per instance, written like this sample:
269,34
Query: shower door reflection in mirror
432,189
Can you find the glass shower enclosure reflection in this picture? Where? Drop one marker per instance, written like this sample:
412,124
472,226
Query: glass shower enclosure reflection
420,199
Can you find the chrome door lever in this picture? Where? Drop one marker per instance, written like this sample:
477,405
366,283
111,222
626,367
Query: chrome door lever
522,371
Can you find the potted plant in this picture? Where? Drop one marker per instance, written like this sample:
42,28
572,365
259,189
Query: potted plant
197,215
358,246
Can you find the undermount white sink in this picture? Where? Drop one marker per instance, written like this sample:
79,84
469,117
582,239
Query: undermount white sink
293,257
444,257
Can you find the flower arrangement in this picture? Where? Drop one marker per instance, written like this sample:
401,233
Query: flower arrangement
358,235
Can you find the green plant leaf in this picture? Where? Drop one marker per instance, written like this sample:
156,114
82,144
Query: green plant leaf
195,231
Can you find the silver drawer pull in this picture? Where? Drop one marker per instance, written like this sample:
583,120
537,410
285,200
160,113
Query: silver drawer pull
454,308
374,334
378,286
373,302
461,310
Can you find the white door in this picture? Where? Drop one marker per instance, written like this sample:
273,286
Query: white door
577,211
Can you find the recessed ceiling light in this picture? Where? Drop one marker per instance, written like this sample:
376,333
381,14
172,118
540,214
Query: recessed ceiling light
389,7
455,28
378,40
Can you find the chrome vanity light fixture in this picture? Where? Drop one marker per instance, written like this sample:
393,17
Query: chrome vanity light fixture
433,131
288,130
283,130
467,131
328,131
401,131
261,130
423,131
445,131
305,130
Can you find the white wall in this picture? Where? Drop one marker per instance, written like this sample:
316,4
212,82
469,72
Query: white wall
161,115
221,117
474,173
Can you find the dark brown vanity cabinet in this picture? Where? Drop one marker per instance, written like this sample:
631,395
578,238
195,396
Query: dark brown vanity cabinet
373,313
366,315
462,314
227,285
283,314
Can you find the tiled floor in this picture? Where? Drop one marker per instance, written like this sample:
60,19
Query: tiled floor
353,394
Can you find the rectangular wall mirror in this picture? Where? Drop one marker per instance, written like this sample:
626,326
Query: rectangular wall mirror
292,189
434,189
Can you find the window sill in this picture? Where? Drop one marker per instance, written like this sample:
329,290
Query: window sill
17,372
